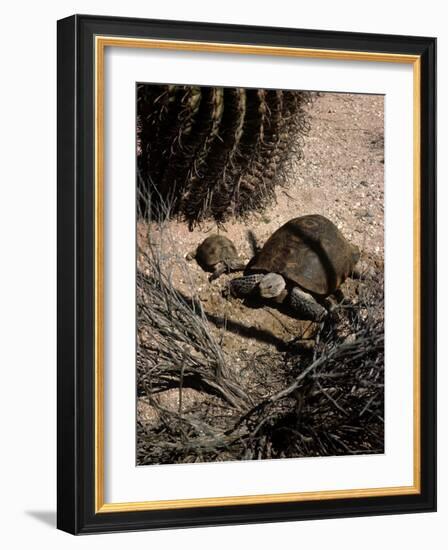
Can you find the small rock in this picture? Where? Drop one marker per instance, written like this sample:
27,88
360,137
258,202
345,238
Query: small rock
364,213
351,339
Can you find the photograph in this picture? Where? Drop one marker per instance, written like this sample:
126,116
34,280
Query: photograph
259,274
246,274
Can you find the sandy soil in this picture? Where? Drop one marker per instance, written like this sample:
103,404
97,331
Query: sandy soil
341,175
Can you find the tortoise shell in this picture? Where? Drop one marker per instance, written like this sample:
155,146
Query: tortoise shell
215,249
310,252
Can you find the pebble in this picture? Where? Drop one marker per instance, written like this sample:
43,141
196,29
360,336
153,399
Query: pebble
364,213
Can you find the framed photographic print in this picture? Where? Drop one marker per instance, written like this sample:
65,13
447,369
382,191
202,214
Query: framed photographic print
246,274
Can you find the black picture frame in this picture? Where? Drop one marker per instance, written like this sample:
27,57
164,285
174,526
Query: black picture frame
76,473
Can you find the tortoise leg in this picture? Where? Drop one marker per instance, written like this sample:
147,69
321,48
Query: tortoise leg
339,295
226,266
243,286
305,305
220,268
332,302
235,265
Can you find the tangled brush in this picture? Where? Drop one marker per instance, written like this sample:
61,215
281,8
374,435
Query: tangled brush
216,152
221,405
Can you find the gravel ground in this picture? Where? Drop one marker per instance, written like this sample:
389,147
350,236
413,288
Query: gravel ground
341,174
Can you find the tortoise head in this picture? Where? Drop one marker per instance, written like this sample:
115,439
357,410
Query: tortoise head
271,285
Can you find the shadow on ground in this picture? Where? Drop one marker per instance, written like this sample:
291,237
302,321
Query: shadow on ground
48,517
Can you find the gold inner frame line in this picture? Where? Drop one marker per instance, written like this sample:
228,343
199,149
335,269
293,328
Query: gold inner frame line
101,42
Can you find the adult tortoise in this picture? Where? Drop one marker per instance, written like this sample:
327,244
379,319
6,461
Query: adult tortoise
217,254
302,262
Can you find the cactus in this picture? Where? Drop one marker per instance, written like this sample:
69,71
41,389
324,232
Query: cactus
215,152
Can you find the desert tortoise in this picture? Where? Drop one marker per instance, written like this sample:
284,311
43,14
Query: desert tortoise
217,254
302,262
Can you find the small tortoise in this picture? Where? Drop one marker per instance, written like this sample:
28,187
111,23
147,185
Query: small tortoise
217,254
304,261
